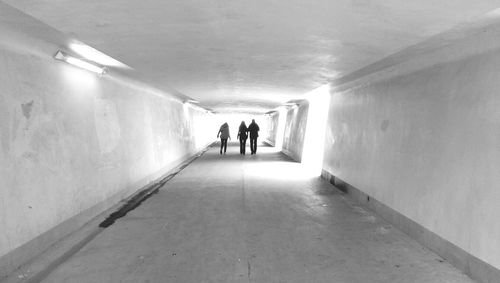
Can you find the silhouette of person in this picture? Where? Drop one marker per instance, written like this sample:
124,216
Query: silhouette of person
253,128
224,135
242,135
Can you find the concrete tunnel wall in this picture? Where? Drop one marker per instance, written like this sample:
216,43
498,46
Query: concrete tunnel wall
295,130
73,144
420,132
272,128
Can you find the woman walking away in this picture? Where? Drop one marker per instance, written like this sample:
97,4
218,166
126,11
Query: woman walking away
242,135
224,135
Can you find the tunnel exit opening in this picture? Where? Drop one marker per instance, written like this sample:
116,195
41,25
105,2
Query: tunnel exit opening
314,140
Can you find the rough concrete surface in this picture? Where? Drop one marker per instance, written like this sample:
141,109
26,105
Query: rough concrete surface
295,130
73,143
272,127
253,218
422,137
258,54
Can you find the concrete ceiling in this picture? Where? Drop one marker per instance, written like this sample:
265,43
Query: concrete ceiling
250,55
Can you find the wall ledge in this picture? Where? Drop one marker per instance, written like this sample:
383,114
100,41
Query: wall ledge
290,154
268,142
469,264
456,44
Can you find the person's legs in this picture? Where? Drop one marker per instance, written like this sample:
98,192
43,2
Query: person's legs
221,145
252,145
243,146
255,146
224,141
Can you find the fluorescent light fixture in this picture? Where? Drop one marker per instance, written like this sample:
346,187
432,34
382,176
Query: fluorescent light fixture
95,55
79,63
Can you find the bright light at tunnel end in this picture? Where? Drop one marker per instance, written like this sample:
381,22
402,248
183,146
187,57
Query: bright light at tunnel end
315,133
314,142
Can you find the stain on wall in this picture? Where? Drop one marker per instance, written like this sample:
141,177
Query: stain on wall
26,107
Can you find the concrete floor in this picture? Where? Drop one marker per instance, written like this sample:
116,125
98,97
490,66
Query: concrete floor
253,218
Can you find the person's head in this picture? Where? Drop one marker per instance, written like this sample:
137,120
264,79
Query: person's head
242,123
253,120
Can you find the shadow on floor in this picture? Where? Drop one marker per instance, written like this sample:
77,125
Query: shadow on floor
265,153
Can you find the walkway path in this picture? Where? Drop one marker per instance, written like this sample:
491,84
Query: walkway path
252,218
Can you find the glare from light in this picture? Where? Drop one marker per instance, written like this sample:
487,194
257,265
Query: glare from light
94,55
493,13
312,156
79,85
84,65
203,125
79,79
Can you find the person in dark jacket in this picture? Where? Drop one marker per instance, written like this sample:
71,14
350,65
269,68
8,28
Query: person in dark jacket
224,135
242,135
253,129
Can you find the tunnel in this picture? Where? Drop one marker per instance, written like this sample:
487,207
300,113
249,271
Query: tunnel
344,141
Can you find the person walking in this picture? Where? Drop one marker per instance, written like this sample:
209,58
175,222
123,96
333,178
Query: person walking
242,135
224,135
253,128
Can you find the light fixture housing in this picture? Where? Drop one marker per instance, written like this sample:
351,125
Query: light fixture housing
81,63
94,55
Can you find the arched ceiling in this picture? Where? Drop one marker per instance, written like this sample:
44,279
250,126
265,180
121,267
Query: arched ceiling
250,55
